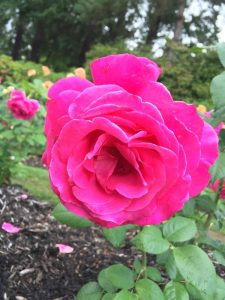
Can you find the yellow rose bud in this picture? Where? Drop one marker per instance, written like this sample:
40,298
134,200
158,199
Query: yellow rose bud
80,72
45,70
8,90
47,84
70,75
201,108
31,72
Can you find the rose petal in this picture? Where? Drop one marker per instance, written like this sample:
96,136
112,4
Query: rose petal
10,228
125,70
71,83
64,248
88,96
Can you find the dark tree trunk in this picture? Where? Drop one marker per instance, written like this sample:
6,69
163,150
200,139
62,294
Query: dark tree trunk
179,25
85,48
18,40
37,42
154,23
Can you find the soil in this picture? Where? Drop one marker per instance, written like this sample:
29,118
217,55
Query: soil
31,267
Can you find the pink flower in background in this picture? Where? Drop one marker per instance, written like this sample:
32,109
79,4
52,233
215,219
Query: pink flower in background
215,186
121,151
64,248
21,107
10,228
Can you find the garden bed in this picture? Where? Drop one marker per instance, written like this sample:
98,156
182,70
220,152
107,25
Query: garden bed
31,266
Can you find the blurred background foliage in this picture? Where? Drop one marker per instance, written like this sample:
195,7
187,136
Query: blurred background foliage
42,41
64,34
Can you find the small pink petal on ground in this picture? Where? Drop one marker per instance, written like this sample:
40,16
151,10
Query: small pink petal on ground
23,196
10,228
64,248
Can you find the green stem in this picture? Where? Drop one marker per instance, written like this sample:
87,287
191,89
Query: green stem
219,190
216,199
144,264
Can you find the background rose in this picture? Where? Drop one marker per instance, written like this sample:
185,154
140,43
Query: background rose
21,107
214,186
122,151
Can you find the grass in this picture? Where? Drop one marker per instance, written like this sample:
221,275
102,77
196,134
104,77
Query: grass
34,180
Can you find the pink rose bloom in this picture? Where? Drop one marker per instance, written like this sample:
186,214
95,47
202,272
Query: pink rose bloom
21,107
121,151
215,186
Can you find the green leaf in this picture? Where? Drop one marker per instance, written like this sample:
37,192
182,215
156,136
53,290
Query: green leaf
91,291
196,268
153,274
120,276
162,258
105,282
220,289
217,116
221,52
125,295
61,214
195,293
222,140
189,208
137,266
217,90
148,290
218,169
219,257
205,239
108,296
179,229
205,203
175,291
171,267
116,235
151,241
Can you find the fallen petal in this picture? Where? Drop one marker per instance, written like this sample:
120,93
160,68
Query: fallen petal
64,248
10,228
23,196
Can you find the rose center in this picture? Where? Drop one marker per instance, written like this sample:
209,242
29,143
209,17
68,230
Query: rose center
108,163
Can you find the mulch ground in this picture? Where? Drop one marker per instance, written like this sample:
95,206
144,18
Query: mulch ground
31,267
30,264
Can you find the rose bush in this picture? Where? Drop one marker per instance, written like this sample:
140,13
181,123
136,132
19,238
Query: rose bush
21,107
121,151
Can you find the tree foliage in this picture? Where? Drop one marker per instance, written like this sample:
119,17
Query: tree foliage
60,33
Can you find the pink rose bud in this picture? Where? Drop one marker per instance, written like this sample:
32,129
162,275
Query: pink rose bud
215,186
120,150
64,248
10,228
21,107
